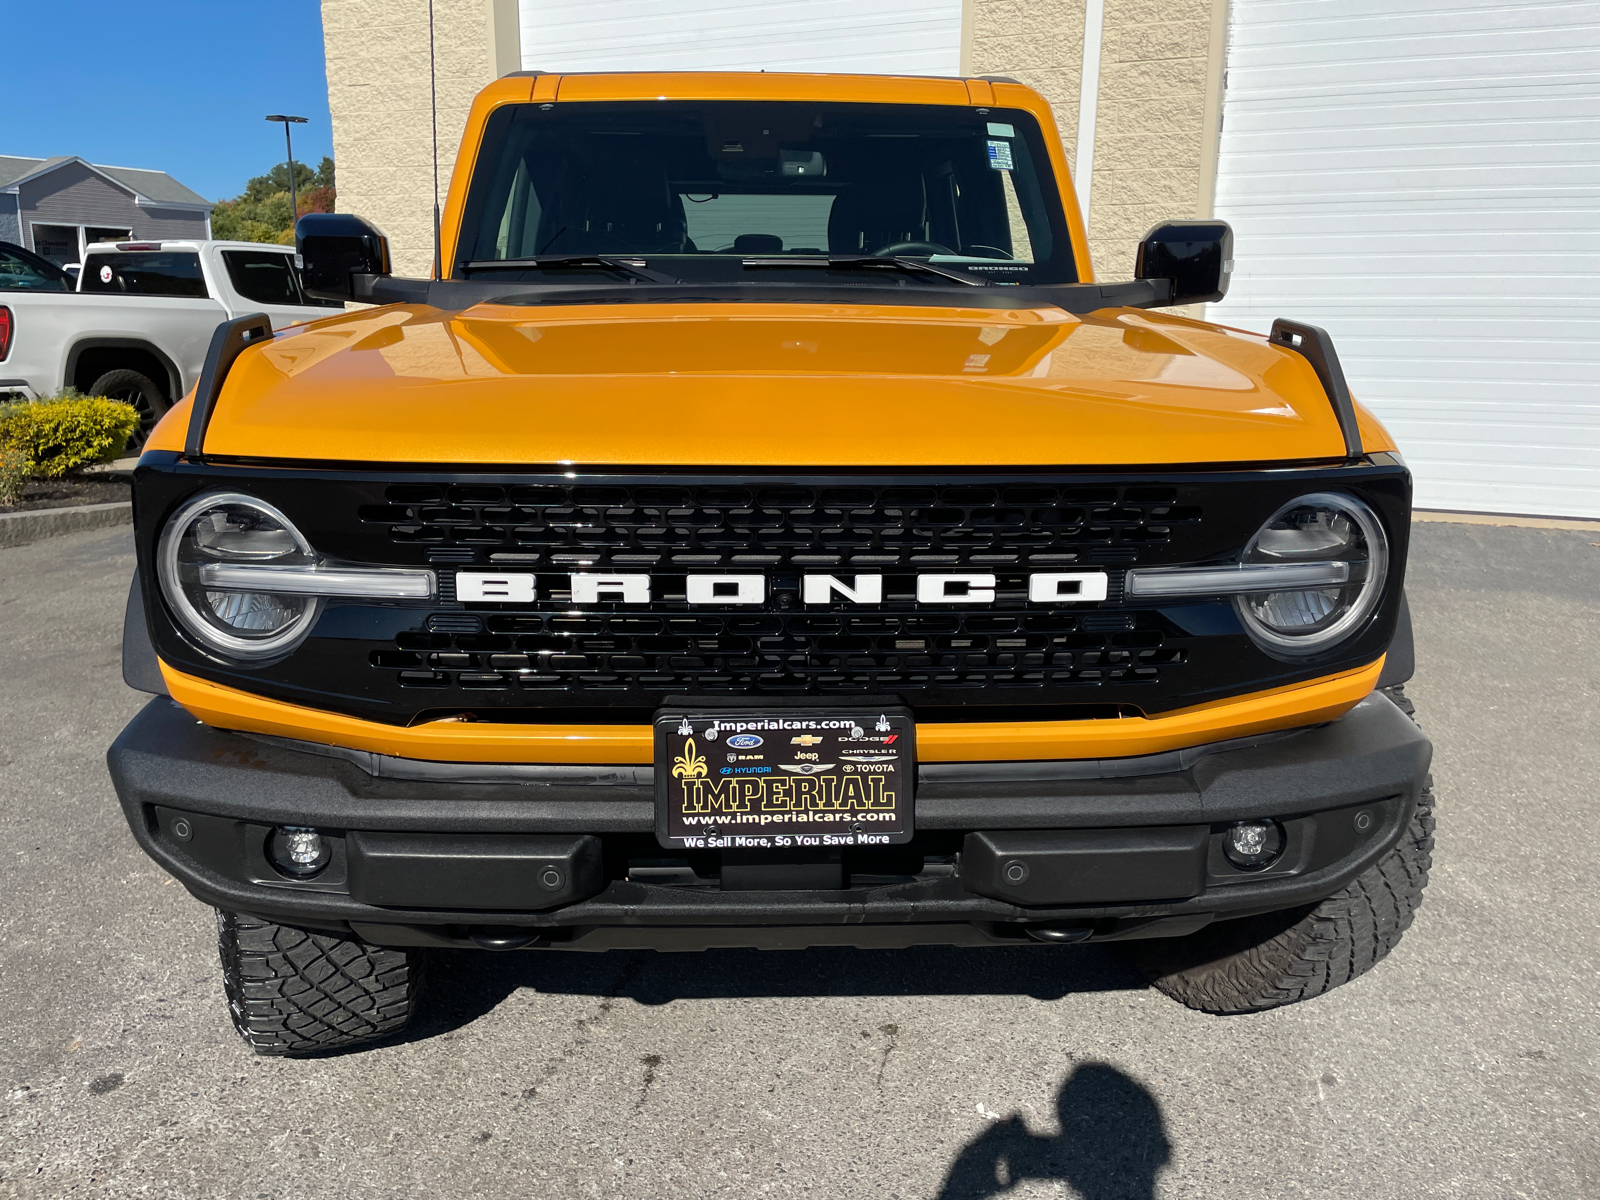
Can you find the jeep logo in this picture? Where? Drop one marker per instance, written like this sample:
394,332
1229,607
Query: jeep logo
588,587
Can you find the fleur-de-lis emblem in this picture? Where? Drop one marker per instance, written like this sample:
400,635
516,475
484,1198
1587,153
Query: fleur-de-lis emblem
684,728
883,724
690,764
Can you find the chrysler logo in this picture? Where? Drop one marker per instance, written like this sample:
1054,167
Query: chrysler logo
588,587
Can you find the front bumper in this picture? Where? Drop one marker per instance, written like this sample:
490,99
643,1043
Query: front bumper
453,854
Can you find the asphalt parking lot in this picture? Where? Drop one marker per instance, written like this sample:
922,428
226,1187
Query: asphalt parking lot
1463,1066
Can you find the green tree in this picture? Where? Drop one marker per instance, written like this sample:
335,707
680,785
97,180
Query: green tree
261,212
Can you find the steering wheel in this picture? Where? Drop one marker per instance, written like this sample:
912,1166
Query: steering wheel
912,248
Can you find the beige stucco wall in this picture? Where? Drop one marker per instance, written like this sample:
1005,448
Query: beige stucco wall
1157,106
377,55
1036,42
1155,137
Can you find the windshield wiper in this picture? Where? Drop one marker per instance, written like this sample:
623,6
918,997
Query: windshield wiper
846,261
633,267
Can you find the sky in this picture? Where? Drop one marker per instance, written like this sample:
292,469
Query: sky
180,86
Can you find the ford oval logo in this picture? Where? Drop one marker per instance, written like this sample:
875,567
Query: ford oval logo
744,741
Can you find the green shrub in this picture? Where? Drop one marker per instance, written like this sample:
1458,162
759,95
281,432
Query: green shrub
65,433
15,467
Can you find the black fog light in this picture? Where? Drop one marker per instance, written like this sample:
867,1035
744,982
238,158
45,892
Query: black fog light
299,851
1253,845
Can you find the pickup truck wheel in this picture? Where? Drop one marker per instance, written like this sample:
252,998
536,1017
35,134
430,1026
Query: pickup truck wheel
136,389
1279,958
293,991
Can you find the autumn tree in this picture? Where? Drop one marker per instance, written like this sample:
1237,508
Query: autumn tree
261,212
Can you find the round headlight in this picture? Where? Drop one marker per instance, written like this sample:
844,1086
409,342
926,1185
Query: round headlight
228,527
1326,527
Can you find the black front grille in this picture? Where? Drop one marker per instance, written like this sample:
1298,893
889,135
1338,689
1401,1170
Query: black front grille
863,527
781,531
550,659
783,653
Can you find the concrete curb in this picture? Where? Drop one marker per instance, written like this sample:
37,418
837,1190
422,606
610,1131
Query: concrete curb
20,528
1582,524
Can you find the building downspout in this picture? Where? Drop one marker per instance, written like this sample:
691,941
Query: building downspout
505,36
968,20
1094,23
1211,132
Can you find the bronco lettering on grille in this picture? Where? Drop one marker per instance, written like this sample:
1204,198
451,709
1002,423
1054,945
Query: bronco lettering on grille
962,588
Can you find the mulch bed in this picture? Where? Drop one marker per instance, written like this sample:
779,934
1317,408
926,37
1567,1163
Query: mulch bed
69,493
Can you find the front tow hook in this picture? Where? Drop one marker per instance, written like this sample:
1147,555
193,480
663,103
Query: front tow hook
1059,935
488,937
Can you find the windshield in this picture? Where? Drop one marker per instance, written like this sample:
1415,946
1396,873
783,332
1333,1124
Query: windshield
28,274
705,186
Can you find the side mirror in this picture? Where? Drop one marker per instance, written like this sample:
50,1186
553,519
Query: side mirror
1197,256
335,248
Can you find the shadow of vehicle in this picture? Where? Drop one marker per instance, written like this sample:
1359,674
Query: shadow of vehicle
465,985
1112,1144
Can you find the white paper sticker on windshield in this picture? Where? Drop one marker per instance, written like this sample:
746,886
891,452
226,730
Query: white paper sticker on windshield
1000,156
998,130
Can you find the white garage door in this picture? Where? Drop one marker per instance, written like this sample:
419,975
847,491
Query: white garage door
907,37
1422,178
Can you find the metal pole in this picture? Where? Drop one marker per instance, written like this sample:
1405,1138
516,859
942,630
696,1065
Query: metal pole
294,204
288,147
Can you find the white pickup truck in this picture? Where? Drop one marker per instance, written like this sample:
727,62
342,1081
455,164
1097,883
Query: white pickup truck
137,327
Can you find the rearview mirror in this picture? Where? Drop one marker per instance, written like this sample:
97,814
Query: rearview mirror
334,249
1197,256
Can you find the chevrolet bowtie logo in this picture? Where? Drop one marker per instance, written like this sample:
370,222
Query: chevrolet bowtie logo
591,587
806,739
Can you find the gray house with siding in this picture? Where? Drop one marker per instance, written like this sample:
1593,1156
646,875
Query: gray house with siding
57,206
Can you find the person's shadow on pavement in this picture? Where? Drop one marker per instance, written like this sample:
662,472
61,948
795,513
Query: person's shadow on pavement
1112,1144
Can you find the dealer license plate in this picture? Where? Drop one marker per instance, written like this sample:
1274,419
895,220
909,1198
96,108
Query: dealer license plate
780,780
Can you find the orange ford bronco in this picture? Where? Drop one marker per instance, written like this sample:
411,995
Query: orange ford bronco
763,531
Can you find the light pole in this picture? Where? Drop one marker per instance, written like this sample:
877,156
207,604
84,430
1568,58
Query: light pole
294,204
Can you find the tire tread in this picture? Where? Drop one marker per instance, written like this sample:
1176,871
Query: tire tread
1281,958
295,991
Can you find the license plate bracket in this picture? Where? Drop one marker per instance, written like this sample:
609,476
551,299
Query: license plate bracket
784,779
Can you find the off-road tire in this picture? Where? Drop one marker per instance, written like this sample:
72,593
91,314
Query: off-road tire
1279,958
293,991
148,398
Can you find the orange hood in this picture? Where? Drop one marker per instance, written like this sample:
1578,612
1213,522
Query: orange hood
769,385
